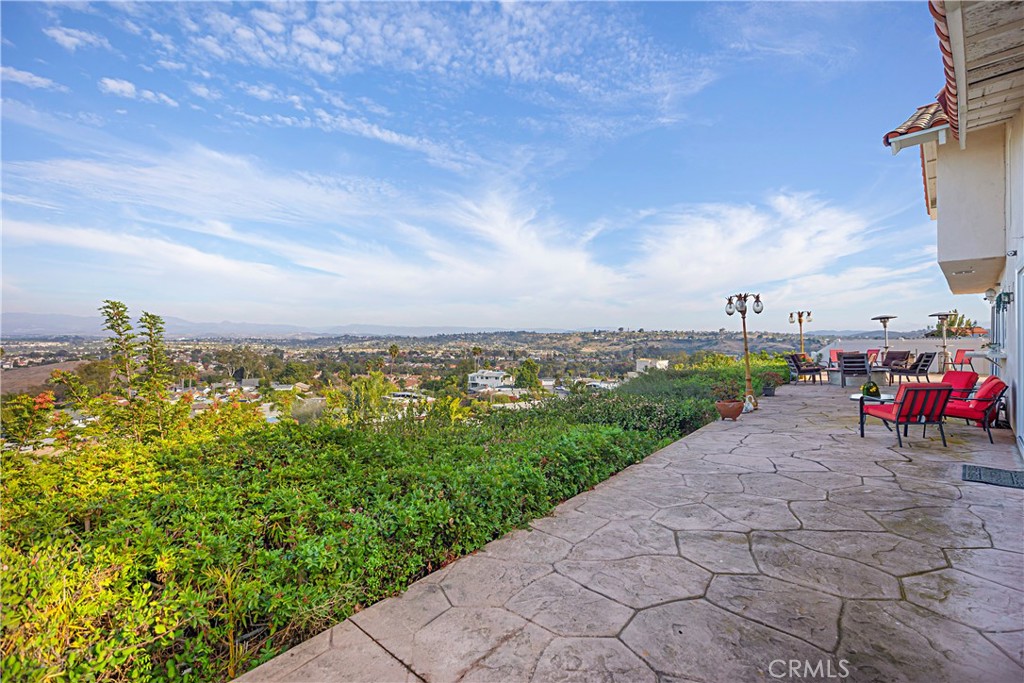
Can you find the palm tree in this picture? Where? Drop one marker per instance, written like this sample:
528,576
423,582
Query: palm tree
393,351
477,352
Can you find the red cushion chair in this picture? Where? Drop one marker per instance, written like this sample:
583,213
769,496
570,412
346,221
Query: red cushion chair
915,403
963,383
982,406
961,359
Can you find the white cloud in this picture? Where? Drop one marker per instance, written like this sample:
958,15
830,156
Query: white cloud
72,39
353,250
787,31
117,86
437,153
170,65
31,80
157,98
262,91
127,89
203,91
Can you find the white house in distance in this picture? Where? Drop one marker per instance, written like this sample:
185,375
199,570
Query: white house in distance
645,364
482,380
972,159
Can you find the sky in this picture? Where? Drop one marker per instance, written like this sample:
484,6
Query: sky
519,165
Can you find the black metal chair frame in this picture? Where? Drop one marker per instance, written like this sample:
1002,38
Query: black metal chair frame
917,369
853,365
911,395
801,369
989,412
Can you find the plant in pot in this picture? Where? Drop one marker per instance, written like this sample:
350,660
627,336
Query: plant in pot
726,393
769,381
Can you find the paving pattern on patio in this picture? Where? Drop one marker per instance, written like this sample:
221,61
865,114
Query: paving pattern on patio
783,536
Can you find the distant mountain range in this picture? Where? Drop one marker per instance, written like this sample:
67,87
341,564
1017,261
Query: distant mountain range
57,325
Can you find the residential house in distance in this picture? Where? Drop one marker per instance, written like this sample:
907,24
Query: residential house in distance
972,160
483,380
645,364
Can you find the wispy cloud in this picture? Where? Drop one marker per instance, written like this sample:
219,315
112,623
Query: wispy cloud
30,80
204,91
332,241
72,38
127,89
791,32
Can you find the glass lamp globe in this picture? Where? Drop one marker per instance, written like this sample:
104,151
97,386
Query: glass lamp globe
741,305
729,308
758,306
791,318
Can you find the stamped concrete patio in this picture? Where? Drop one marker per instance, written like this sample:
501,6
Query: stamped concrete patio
736,554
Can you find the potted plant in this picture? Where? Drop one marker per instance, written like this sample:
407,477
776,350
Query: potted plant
769,381
726,393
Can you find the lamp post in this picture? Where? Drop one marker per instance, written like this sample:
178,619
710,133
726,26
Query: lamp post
884,319
943,317
740,305
800,316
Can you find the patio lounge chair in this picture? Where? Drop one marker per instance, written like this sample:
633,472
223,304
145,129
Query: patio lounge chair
960,359
916,403
798,367
962,382
982,407
897,358
918,369
853,365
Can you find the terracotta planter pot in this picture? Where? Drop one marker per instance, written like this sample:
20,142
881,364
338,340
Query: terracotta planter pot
729,409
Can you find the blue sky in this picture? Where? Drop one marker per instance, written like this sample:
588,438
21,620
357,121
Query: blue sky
520,165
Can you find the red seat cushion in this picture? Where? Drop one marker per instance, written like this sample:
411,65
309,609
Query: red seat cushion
962,381
913,402
974,409
886,411
961,410
988,391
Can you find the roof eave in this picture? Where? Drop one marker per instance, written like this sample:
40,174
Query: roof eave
937,133
957,44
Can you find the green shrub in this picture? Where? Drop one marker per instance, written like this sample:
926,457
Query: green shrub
202,556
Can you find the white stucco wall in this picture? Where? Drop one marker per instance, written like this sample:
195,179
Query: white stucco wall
971,188
1014,272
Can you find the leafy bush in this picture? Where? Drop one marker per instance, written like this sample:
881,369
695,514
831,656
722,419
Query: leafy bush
202,555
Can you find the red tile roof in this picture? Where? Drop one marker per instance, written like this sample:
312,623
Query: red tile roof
928,116
947,97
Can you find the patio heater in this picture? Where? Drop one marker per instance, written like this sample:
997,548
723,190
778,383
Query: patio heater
740,305
943,317
884,319
800,317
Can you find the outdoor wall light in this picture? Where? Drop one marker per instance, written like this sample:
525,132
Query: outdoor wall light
990,295
738,303
1003,301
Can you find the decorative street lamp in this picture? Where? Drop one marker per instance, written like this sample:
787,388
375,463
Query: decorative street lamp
943,317
740,305
884,319
800,317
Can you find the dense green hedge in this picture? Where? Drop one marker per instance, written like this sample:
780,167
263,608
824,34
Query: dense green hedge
200,558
